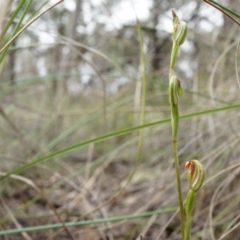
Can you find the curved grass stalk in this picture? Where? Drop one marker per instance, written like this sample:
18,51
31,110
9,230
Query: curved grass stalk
143,104
224,10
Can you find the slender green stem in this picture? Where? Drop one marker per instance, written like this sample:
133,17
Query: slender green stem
174,54
175,122
188,227
174,95
190,202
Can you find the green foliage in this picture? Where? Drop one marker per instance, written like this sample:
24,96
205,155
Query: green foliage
84,143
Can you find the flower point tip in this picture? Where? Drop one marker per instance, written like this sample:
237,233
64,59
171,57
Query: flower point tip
174,14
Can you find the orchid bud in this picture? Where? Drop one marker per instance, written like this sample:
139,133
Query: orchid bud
179,30
196,174
175,90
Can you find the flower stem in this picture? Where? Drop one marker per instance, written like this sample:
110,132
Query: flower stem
190,202
175,92
188,227
174,54
175,122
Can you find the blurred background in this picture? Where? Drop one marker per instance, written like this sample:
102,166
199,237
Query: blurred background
75,74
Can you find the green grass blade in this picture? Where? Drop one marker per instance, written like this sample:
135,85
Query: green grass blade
111,135
87,222
13,16
16,29
225,8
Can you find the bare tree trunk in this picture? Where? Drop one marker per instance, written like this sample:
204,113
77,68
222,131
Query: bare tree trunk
156,46
77,13
68,59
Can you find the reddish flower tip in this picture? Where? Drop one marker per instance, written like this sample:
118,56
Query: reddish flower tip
174,14
190,165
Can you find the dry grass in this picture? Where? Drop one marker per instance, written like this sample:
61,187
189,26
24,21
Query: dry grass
39,118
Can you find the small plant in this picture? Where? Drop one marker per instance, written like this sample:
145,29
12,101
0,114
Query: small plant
175,92
196,171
